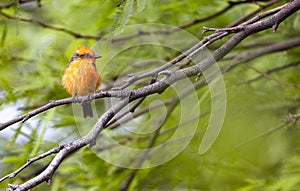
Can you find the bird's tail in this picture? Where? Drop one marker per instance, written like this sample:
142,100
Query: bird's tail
87,109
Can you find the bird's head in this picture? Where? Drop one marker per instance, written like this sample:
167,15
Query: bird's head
83,52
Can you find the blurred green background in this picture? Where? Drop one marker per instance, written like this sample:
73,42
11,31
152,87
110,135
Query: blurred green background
254,150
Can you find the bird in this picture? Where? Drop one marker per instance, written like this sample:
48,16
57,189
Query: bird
81,77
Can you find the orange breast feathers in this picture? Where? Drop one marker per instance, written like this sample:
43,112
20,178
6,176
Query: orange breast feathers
81,77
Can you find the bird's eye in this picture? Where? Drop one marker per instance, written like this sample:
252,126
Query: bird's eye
88,55
74,57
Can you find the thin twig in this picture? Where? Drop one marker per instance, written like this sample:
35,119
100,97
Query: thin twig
291,118
230,5
263,15
34,21
274,47
16,2
132,108
233,28
196,49
293,64
226,29
120,3
32,160
272,78
55,103
246,17
125,184
220,33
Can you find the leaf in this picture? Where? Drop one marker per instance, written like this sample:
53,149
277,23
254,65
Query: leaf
9,91
127,13
14,138
141,4
13,159
48,119
3,37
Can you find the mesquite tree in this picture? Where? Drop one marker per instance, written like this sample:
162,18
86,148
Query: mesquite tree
194,95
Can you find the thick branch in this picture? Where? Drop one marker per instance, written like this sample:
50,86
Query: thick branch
189,53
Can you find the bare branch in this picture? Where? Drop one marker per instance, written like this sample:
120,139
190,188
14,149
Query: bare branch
19,2
157,87
189,53
263,15
288,119
34,21
292,118
230,5
272,48
273,79
234,29
32,160
227,29
246,17
55,103
120,3
125,184
293,64
196,49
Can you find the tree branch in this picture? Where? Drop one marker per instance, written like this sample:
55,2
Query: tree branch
287,120
293,64
55,103
156,87
230,5
34,21
273,79
126,183
196,49
272,48
246,17
234,29
8,5
120,94
32,160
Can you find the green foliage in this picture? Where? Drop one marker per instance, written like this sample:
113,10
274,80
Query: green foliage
33,59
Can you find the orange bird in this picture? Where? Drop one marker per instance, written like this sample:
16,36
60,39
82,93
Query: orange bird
81,77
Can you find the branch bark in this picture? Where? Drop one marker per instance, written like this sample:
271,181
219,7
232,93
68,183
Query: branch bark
157,87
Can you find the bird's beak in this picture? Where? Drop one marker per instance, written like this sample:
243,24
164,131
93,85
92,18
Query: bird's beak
97,57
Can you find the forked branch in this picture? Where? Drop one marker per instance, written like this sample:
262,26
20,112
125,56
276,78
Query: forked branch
128,96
